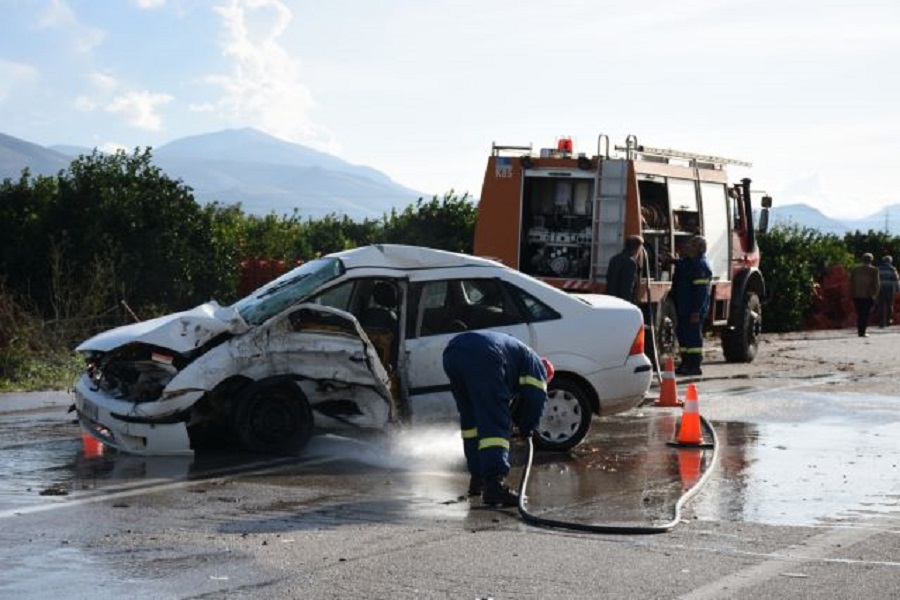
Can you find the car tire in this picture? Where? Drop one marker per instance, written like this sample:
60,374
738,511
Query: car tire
567,416
740,344
273,417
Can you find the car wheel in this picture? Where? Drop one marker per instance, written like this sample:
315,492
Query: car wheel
741,343
567,416
274,418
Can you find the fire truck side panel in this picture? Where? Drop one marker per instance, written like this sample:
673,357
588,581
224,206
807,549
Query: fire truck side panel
500,211
716,228
632,205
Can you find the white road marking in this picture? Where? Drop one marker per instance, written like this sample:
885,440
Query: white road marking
818,548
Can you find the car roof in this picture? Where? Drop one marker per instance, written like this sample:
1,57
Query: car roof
398,256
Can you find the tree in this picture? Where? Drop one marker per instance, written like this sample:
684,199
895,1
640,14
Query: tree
112,227
445,224
793,260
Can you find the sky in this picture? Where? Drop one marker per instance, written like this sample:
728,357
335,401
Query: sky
806,90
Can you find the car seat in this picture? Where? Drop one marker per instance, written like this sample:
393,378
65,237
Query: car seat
380,320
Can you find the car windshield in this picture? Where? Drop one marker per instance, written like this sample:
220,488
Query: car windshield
288,289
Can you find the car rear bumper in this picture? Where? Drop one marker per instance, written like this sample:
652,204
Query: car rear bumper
623,388
132,428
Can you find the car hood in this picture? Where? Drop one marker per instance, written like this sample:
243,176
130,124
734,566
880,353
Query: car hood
181,332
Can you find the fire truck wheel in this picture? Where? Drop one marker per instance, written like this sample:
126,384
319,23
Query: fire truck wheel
567,416
667,323
740,344
273,417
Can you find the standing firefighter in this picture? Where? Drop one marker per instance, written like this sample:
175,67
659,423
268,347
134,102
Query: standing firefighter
690,285
497,382
623,271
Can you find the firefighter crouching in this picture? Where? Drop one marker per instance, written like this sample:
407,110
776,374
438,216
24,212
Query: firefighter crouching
691,287
497,382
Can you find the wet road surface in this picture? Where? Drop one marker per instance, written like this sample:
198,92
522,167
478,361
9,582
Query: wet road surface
793,458
74,516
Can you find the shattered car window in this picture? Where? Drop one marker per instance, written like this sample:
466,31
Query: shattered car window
288,289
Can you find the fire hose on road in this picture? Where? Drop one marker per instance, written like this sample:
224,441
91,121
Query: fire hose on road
533,519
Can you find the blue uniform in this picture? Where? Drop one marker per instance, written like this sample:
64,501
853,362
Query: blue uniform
691,285
488,372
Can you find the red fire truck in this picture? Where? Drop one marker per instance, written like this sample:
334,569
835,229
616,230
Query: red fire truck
559,216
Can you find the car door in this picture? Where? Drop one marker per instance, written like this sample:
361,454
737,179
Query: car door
439,310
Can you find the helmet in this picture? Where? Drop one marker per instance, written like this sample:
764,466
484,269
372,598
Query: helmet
548,369
699,242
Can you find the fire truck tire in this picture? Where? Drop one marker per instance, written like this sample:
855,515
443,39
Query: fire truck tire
273,417
741,343
567,415
666,327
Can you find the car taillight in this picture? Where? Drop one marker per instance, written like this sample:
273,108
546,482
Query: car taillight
637,346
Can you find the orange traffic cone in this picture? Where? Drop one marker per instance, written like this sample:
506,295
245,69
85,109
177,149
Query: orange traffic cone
689,433
668,391
91,447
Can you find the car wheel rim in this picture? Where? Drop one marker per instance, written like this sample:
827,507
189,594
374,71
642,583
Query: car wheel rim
272,421
561,418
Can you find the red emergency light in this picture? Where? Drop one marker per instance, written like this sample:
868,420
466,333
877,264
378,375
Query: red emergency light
564,145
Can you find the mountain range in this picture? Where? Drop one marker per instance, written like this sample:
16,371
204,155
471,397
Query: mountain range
262,173
268,175
886,220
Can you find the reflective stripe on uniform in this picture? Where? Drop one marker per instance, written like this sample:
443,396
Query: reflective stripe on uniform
698,350
468,434
533,381
493,442
700,282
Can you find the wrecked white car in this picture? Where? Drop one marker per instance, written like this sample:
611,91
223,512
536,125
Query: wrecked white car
350,341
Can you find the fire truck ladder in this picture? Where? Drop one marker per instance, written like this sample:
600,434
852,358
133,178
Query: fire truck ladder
608,220
633,150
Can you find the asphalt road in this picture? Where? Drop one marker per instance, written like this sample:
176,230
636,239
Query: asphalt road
802,500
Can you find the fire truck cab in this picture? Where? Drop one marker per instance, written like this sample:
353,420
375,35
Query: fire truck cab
560,217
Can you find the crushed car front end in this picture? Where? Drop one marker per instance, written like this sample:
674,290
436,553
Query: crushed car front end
120,401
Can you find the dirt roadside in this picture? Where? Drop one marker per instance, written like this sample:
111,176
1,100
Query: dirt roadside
839,357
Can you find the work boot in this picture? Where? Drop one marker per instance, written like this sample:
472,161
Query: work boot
475,485
689,366
496,493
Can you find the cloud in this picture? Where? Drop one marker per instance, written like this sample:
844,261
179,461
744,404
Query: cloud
140,108
59,16
150,4
264,86
112,147
13,76
103,87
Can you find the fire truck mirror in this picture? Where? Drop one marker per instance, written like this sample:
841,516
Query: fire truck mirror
763,220
766,201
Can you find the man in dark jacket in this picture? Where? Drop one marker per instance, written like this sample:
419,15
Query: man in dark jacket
890,285
864,287
690,286
623,271
497,382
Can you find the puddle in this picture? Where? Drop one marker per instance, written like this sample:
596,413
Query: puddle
804,474
840,462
